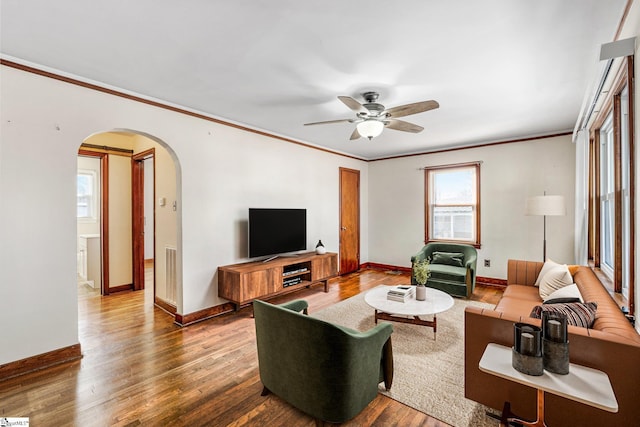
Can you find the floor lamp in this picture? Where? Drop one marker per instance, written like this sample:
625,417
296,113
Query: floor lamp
545,206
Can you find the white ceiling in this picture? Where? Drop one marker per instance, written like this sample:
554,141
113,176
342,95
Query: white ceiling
500,69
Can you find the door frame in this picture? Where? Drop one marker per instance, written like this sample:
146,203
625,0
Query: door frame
138,215
104,215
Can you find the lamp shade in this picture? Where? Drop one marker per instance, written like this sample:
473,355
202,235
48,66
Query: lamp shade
370,128
545,205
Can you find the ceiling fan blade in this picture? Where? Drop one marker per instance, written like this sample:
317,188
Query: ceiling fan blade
328,121
415,108
403,126
353,104
355,134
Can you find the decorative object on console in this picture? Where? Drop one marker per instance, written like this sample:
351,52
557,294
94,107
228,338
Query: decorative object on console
545,206
422,273
320,249
555,343
527,349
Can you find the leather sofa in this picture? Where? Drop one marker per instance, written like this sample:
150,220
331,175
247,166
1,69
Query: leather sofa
612,345
327,371
449,273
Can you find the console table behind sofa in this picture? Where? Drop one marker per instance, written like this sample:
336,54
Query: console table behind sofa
612,346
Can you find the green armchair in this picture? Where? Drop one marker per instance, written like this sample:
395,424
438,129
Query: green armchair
327,371
452,266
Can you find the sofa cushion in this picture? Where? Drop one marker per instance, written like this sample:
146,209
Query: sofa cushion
516,306
528,293
554,279
578,314
447,272
569,293
448,258
548,266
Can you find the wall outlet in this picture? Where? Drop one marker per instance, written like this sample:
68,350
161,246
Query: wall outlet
487,263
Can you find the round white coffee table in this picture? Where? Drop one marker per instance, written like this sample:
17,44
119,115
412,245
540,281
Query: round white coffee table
385,309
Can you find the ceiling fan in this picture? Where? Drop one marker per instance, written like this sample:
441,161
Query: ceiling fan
372,118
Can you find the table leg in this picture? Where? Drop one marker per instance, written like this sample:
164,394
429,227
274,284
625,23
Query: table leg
433,323
416,320
508,417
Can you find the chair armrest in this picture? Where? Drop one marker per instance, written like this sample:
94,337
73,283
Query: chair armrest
378,337
298,306
471,259
380,332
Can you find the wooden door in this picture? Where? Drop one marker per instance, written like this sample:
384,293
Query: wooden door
138,215
349,220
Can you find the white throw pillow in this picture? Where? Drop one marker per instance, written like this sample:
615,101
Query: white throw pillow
548,265
570,291
556,278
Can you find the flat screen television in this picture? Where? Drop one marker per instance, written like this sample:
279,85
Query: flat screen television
276,231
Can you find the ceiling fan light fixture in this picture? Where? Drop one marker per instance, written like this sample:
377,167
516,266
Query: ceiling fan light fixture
370,128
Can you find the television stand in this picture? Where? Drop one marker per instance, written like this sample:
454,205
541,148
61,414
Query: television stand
244,282
271,258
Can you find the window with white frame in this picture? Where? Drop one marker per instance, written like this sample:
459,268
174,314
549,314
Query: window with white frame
625,188
607,196
452,207
86,201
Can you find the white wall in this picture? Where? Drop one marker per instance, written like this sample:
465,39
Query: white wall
221,171
509,174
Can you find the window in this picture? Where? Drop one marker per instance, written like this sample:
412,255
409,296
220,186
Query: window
607,196
611,239
625,189
452,203
86,195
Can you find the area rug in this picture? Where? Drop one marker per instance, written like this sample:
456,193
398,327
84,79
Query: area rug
428,373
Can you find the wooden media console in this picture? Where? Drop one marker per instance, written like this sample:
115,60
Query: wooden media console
242,283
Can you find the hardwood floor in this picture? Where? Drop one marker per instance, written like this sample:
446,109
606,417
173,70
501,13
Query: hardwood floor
139,368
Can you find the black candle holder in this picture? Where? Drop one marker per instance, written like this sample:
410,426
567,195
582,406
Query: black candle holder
555,343
526,355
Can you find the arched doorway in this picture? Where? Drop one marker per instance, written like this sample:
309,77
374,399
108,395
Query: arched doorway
131,207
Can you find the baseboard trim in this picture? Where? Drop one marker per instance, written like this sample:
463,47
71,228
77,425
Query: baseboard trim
121,288
378,266
207,313
486,281
489,281
40,361
166,306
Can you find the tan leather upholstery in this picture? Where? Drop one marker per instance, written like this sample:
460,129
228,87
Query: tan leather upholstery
612,346
523,272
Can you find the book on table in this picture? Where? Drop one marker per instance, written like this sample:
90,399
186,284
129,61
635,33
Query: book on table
401,293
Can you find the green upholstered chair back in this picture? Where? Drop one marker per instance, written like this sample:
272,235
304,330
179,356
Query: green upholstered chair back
328,371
